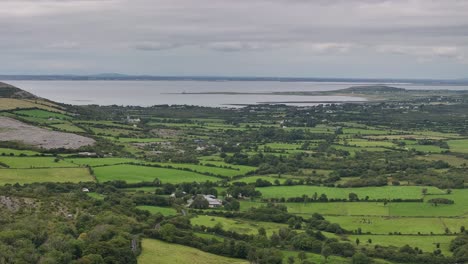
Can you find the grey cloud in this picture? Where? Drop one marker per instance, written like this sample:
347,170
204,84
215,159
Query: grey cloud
280,30
154,46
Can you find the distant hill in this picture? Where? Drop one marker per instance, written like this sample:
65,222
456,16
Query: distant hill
372,89
10,91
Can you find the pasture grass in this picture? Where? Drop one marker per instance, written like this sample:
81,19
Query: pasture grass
460,146
452,160
100,161
227,172
22,176
426,243
11,104
405,225
157,209
237,225
17,152
34,162
68,127
384,192
314,258
133,174
38,113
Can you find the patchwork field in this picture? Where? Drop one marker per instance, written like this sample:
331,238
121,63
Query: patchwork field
385,192
42,114
11,104
131,173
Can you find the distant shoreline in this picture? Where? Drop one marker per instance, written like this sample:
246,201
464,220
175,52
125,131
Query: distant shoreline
117,77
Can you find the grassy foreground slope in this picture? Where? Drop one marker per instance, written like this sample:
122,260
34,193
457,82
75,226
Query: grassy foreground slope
155,251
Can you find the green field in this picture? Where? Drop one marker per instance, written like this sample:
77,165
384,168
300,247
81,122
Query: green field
132,173
385,192
459,209
157,209
42,114
315,258
21,176
16,152
135,140
460,146
242,168
155,251
238,225
34,162
227,172
452,160
68,127
363,143
252,179
426,243
100,161
405,225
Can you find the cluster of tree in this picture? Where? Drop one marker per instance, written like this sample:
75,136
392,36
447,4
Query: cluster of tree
322,198
41,231
242,189
459,246
436,201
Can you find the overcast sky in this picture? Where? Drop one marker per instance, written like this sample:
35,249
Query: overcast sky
307,38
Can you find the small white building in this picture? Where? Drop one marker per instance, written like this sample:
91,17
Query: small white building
213,201
86,190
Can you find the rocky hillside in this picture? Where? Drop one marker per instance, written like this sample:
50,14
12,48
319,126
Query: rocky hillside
10,91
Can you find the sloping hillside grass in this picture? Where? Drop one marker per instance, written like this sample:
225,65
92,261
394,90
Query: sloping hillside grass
155,251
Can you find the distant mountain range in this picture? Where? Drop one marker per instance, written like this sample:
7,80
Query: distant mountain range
118,76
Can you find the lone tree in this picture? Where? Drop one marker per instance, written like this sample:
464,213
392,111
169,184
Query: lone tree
424,191
353,197
327,252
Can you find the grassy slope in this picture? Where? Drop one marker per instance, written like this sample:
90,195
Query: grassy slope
155,251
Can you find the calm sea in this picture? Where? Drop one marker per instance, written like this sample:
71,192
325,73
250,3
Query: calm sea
147,93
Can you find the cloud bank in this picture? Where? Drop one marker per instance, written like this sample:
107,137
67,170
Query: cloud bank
362,38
